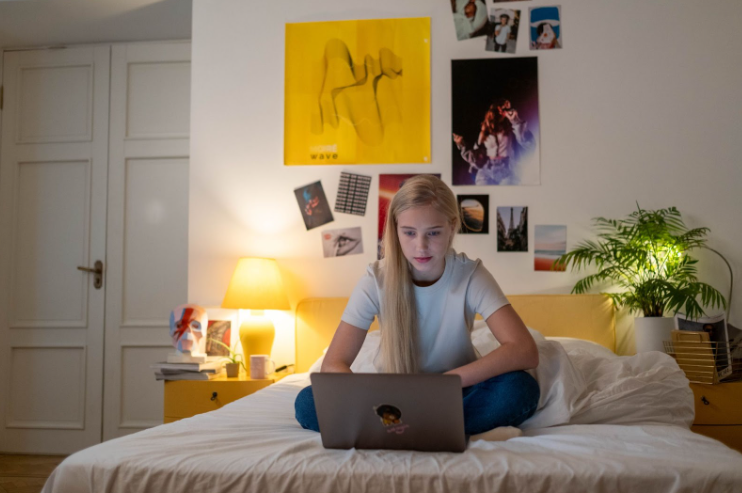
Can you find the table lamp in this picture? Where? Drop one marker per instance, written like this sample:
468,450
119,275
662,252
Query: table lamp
256,286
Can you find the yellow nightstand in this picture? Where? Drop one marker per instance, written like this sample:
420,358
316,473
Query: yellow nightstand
186,398
719,412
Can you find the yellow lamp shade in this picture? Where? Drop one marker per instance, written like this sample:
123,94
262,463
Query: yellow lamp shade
256,285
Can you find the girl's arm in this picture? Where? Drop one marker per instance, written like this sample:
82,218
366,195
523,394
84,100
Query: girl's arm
345,345
517,350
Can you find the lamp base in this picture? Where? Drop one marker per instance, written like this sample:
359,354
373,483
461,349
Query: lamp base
256,335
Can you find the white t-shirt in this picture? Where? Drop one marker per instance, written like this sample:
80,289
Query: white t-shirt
504,33
445,310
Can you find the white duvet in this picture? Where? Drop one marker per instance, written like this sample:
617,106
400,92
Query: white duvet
605,423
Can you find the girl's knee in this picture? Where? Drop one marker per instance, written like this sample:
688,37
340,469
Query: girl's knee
304,400
306,413
519,379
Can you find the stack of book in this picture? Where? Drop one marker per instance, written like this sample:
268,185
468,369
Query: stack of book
188,371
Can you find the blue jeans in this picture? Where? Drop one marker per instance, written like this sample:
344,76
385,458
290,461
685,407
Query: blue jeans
504,400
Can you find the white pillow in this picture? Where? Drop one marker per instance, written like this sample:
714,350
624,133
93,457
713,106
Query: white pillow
317,365
485,342
364,362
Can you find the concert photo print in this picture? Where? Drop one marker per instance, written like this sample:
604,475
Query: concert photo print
495,122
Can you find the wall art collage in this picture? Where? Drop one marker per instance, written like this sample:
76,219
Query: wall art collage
500,25
359,93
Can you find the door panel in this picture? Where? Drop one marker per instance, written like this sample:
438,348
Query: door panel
52,200
55,103
40,402
147,225
53,182
159,99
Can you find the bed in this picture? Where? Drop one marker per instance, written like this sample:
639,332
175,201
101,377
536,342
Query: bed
605,423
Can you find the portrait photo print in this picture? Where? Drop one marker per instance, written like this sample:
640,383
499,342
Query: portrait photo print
546,27
503,35
470,18
495,122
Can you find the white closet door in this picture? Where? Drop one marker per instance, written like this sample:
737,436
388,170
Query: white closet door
147,225
53,167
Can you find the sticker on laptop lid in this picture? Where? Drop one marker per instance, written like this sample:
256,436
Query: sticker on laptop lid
391,418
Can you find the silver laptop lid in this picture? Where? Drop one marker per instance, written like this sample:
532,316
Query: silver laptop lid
390,411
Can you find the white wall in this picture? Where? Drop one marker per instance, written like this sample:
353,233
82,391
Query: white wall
62,22
642,104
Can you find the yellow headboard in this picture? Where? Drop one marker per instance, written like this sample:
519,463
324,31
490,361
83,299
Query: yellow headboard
582,316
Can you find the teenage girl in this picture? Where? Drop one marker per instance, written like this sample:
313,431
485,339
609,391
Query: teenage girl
426,296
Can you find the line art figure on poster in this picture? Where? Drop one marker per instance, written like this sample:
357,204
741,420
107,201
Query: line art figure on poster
315,210
546,31
357,92
352,194
512,229
495,122
364,114
342,242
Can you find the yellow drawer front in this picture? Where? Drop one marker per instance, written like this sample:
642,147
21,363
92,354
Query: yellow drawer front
722,406
731,436
186,398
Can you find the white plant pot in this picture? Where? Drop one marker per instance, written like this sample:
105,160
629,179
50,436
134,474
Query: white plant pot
650,332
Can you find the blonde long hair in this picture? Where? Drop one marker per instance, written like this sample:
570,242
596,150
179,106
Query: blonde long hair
399,331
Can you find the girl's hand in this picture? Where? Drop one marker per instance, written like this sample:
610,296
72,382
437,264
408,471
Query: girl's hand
511,114
458,139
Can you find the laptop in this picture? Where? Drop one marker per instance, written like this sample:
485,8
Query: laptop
422,412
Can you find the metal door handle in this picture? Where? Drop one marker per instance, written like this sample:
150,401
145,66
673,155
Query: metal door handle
97,270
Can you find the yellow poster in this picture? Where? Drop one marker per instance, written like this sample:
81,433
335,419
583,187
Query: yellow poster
357,92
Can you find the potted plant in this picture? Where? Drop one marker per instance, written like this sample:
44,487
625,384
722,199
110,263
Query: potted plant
235,360
647,256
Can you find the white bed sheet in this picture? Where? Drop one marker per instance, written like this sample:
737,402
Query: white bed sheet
604,424
255,445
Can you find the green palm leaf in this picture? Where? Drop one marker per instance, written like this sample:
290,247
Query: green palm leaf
646,254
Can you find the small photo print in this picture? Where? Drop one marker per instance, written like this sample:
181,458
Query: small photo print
341,242
512,229
503,34
470,18
474,210
352,194
313,204
220,330
550,244
546,30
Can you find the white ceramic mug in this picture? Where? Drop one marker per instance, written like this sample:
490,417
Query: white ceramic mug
261,365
